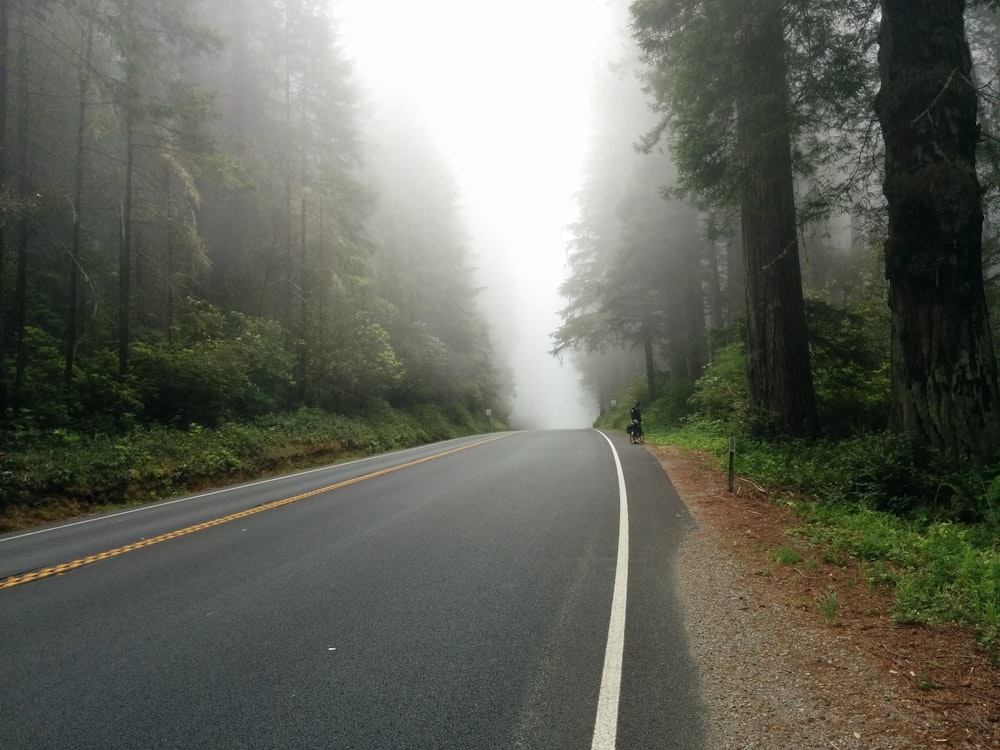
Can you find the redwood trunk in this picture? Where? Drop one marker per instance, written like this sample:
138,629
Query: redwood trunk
779,377
4,58
944,375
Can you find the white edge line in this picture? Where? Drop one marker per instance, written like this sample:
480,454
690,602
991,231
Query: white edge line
187,498
606,724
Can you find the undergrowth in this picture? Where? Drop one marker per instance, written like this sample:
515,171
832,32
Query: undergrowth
52,474
929,531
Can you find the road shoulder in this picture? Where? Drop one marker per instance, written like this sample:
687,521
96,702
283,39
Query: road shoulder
775,674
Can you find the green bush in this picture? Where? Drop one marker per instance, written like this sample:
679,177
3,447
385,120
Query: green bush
720,394
101,402
42,399
673,404
850,369
227,367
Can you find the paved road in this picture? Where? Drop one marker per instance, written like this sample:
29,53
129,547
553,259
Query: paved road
455,596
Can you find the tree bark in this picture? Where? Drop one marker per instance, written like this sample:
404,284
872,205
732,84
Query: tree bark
736,298
72,313
944,373
4,197
24,217
125,248
646,334
779,377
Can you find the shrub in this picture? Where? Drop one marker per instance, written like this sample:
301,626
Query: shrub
720,395
673,404
850,369
237,370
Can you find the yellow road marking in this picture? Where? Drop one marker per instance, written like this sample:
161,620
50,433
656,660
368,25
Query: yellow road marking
54,570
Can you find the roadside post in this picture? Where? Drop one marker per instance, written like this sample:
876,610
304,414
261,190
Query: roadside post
732,460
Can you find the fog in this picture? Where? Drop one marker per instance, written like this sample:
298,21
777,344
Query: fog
506,92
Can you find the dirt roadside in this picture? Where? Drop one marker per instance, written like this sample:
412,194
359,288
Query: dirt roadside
778,672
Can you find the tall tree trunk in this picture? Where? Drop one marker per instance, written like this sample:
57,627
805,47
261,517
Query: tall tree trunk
72,313
304,339
646,335
287,167
4,198
944,373
717,299
24,214
233,218
779,378
125,249
171,273
736,297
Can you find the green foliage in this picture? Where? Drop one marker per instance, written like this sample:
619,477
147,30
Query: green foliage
827,602
99,400
720,394
269,215
226,366
66,468
42,387
690,76
354,369
928,530
673,403
786,555
875,470
942,572
850,369
850,372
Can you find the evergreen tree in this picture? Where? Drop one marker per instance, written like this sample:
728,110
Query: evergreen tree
944,375
738,142
424,272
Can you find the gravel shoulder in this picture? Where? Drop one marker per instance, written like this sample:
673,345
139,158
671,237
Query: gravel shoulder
775,673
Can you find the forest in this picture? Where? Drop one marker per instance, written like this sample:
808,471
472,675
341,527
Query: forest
203,229
789,238
817,201
214,264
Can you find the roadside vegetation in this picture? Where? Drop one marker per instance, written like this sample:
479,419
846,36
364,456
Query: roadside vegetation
781,275
921,526
197,287
55,474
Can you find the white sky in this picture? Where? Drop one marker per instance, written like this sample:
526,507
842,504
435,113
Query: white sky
506,88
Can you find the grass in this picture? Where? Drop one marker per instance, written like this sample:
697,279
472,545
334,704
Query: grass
787,556
931,534
827,602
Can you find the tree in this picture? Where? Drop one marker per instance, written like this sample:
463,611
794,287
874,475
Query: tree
944,373
733,138
120,191
779,376
83,86
423,272
158,110
4,197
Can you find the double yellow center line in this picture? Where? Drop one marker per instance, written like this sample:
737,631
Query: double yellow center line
55,570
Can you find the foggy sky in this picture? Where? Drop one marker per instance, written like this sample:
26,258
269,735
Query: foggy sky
506,91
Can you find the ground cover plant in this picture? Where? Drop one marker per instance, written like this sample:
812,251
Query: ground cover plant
925,528
48,475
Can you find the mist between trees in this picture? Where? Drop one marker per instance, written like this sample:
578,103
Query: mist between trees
201,223
787,213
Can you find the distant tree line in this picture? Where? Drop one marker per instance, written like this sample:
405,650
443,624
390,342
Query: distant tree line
856,134
197,224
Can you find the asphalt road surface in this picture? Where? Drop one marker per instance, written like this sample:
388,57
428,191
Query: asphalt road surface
478,593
